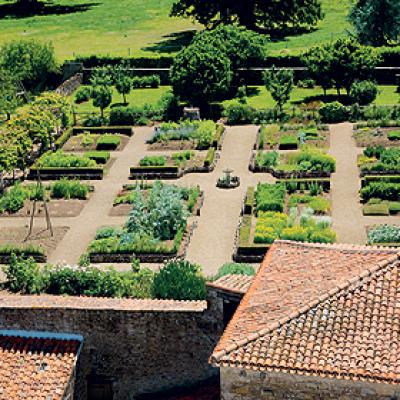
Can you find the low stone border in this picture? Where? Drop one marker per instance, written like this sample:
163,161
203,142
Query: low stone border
170,172
106,258
253,167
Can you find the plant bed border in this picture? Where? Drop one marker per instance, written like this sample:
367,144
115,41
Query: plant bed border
119,258
39,258
54,173
120,130
253,167
377,178
392,172
170,172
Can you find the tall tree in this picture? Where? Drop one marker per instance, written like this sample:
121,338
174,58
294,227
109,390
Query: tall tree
122,80
280,84
376,22
268,15
200,74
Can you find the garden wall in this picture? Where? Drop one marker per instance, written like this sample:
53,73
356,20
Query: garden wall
130,347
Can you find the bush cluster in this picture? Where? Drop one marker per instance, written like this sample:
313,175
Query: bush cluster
384,234
99,157
150,81
153,161
59,159
270,197
69,189
108,142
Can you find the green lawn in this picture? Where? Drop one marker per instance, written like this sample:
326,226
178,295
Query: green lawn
136,27
137,97
262,99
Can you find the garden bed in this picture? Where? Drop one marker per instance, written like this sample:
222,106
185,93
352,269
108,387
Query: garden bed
123,202
40,238
308,163
63,198
157,228
376,136
383,235
175,165
275,137
379,161
188,135
93,141
281,211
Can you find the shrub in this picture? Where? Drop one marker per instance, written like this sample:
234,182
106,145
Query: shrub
319,205
376,208
394,135
394,207
83,94
269,226
363,92
59,159
312,159
237,114
306,83
209,160
182,157
133,115
13,199
296,233
24,276
69,189
234,269
268,159
108,232
179,280
323,236
108,142
384,234
381,190
94,120
333,112
100,157
153,161
270,197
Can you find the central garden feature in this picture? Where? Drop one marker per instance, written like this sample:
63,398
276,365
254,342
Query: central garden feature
157,228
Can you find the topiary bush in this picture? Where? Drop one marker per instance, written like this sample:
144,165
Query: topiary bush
333,112
83,94
363,92
179,280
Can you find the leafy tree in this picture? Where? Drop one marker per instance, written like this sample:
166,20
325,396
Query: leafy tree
376,22
102,98
29,62
342,62
180,280
271,16
122,81
200,73
280,84
8,93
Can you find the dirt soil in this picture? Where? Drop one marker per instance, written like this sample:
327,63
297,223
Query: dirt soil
74,143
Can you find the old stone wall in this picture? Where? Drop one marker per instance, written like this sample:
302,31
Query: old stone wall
133,347
240,384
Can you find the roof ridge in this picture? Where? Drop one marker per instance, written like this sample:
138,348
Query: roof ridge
340,246
368,272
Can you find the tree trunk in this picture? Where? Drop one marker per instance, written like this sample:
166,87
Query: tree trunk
246,14
338,90
124,96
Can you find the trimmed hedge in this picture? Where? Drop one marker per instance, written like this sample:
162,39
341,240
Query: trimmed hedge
208,161
101,157
116,129
108,142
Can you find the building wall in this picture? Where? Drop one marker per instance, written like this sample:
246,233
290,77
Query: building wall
137,351
240,384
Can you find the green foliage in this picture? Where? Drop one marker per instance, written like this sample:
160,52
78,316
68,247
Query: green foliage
384,234
179,280
150,161
376,22
311,159
182,157
151,81
268,159
209,160
108,232
99,157
29,61
108,142
237,114
122,80
83,94
102,97
394,135
59,159
8,93
270,197
69,189
280,84
288,141
234,269
134,115
363,92
201,73
376,209
381,190
386,159
333,112
13,199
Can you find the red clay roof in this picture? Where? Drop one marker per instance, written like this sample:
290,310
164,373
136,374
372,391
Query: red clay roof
35,368
232,283
327,310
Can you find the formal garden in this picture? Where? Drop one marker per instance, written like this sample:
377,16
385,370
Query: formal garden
209,142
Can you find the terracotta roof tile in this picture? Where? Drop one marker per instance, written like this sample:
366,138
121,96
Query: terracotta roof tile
35,368
232,283
319,310
99,303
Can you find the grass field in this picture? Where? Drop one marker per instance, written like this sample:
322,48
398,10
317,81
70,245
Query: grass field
260,98
135,27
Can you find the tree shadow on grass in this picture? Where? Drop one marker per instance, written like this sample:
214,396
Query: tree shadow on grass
329,98
14,10
284,33
173,42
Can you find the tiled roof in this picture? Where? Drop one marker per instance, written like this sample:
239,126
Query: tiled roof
232,283
327,310
99,303
36,368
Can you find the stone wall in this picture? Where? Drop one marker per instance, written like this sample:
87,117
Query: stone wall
240,384
134,346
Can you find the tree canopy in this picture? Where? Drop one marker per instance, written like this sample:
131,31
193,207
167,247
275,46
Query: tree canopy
376,22
271,16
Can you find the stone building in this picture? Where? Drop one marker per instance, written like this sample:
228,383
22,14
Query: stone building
318,322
